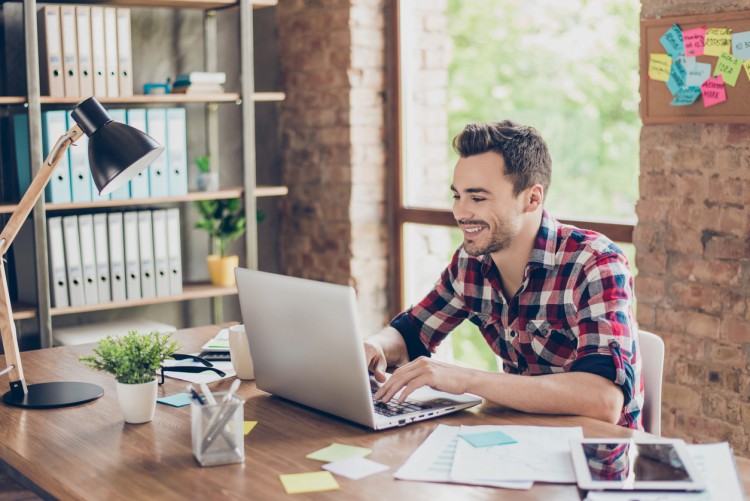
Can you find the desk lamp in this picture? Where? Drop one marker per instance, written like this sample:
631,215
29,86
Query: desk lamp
117,153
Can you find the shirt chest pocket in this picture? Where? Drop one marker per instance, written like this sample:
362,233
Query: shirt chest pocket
543,329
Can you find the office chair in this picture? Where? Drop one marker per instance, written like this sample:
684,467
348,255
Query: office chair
652,365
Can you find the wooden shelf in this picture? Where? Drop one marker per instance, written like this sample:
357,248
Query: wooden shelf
12,99
23,311
184,4
228,97
190,291
271,191
8,208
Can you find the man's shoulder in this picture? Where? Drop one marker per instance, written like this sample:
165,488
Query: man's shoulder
585,243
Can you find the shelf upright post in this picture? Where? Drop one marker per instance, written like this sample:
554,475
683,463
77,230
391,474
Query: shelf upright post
248,132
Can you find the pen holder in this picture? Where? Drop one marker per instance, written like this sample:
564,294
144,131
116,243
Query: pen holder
217,431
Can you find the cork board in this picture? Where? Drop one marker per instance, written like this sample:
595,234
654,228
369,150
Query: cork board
656,97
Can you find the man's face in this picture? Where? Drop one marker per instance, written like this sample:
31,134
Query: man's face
484,205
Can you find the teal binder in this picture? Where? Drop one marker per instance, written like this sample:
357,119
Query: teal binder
177,145
54,125
23,156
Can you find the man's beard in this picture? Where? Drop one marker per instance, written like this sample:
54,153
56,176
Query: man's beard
500,239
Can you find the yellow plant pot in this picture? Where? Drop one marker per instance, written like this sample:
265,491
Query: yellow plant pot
221,269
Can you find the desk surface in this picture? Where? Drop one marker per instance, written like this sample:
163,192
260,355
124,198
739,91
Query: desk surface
88,452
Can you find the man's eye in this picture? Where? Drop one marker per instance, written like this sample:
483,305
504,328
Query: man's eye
478,199
455,197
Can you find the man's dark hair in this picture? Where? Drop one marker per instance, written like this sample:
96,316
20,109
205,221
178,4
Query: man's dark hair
527,159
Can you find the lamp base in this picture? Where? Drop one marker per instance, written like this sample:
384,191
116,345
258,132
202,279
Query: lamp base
51,395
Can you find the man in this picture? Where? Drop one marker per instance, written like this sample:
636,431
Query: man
553,301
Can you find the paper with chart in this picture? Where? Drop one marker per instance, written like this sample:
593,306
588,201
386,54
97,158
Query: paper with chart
539,454
432,461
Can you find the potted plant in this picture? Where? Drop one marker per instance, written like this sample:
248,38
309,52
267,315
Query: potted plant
224,220
207,179
133,359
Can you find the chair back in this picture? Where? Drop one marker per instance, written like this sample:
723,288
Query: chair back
652,367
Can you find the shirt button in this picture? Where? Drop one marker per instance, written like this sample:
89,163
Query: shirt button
614,344
512,333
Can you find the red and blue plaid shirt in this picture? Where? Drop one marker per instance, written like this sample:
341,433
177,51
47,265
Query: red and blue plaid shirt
573,312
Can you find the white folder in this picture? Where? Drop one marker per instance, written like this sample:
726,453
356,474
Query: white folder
85,65
123,192
161,252
132,257
98,52
139,184
101,245
124,52
50,51
70,50
88,258
146,248
174,250
54,125
110,49
57,269
73,260
156,122
116,256
80,174
177,143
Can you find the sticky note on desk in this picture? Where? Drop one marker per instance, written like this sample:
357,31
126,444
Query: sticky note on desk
488,439
176,400
297,483
355,468
337,452
247,426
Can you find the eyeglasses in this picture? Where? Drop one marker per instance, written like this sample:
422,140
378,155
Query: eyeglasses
207,366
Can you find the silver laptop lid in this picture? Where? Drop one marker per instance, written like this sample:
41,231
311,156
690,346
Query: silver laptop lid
305,342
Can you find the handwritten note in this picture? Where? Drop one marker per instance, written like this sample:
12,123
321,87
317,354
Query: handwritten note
694,41
718,41
296,483
699,74
672,41
677,78
728,67
687,62
741,45
659,66
686,97
713,91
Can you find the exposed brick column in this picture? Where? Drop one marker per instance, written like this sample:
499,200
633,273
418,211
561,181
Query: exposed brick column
693,248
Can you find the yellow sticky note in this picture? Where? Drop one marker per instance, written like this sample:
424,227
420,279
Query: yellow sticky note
296,483
248,426
337,452
718,41
659,66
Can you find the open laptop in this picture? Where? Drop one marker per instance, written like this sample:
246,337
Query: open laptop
307,347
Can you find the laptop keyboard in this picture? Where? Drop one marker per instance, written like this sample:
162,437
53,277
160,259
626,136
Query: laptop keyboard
393,408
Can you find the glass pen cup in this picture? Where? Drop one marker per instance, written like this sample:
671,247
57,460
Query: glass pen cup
217,430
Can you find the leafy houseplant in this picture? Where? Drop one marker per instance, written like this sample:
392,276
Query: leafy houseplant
207,179
224,220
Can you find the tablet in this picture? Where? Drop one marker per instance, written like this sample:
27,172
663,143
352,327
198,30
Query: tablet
634,464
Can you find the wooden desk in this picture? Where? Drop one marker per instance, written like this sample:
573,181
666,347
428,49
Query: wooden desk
87,452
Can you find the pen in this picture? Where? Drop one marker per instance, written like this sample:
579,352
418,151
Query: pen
222,417
197,396
207,393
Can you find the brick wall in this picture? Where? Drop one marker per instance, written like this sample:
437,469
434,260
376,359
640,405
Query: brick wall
334,161
693,247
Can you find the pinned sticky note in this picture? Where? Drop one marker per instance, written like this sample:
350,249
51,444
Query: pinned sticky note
699,74
355,468
489,438
713,91
659,66
686,96
248,426
741,45
297,483
672,41
176,400
687,62
677,76
337,452
728,67
718,41
694,41
746,65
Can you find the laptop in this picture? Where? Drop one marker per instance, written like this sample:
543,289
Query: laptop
306,345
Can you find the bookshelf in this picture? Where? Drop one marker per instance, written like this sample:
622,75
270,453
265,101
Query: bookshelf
249,191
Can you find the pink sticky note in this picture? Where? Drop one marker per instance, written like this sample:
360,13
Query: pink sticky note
694,41
713,91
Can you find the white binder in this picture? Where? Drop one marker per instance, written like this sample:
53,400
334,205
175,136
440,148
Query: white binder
161,252
73,260
98,52
50,51
101,245
88,258
110,51
174,250
139,184
146,248
177,143
57,269
156,121
85,72
132,257
116,256
80,174
70,50
54,125
124,53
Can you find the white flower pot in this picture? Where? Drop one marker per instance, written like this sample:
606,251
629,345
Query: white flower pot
137,401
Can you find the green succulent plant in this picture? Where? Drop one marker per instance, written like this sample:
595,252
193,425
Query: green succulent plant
203,162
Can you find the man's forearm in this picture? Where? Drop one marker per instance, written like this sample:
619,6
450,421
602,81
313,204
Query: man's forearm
393,346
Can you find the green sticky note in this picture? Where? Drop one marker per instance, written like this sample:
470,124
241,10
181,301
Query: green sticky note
176,400
729,67
337,452
297,483
248,426
488,439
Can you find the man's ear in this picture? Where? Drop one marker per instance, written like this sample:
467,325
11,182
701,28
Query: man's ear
534,197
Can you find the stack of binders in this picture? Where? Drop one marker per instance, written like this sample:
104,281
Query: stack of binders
114,257
85,51
200,82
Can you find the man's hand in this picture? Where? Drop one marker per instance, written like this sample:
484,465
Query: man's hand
385,348
375,357
425,372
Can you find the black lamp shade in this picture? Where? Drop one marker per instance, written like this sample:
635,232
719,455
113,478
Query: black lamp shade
117,152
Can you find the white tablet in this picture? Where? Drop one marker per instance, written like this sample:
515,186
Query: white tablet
634,464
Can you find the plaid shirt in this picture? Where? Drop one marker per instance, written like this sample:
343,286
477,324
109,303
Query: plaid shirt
576,300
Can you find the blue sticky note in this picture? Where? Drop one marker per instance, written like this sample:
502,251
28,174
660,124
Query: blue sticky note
176,400
686,97
741,45
672,41
699,74
677,78
489,438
